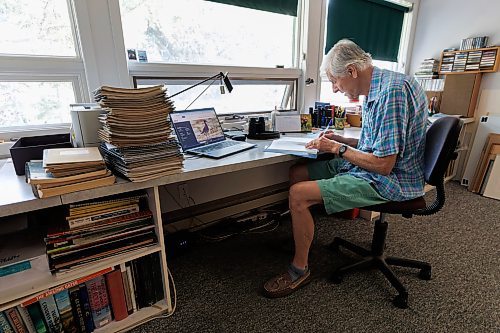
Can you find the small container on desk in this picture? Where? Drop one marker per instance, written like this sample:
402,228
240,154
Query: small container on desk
31,148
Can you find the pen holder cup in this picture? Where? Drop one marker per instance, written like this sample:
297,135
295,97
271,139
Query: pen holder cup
339,123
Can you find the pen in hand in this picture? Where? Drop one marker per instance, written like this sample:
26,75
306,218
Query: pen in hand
326,129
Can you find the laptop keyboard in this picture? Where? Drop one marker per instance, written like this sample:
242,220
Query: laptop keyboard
217,146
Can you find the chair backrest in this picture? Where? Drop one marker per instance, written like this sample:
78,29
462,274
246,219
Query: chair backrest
440,144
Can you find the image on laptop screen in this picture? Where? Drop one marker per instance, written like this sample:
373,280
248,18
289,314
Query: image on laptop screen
197,127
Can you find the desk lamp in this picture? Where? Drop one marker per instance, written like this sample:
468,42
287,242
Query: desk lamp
224,84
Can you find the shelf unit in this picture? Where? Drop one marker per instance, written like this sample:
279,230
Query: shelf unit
456,62
22,291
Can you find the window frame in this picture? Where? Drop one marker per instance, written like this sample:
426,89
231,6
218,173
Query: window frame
42,68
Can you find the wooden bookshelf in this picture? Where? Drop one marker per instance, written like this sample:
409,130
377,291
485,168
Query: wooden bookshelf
456,62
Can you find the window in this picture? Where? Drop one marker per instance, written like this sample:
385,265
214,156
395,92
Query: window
205,32
188,41
383,41
41,71
248,96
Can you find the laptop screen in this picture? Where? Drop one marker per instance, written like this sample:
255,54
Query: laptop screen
197,127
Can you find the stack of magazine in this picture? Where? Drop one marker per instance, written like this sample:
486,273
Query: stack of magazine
136,134
65,170
99,229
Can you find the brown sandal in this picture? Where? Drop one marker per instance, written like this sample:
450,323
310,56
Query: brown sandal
282,285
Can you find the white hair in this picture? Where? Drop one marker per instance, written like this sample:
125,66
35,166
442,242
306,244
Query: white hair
343,54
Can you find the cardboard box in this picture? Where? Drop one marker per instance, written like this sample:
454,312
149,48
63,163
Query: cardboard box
31,148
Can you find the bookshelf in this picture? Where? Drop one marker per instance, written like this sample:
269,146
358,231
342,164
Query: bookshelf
25,291
483,60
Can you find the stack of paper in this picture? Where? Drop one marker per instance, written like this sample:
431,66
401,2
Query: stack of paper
136,133
65,170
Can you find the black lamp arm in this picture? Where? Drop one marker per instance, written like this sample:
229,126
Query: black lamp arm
216,76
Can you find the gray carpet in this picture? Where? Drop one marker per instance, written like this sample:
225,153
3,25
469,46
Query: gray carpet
218,284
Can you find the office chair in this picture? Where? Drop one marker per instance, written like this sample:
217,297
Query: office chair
441,141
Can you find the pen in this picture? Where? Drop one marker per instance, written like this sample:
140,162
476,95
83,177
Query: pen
327,127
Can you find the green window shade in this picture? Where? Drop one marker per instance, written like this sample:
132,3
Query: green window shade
375,25
286,7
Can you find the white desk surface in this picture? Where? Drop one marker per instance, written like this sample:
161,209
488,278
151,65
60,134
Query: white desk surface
16,196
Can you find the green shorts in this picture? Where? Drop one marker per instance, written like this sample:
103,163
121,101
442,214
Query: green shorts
342,192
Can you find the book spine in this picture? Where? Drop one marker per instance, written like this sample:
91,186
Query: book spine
15,268
83,221
23,312
157,278
131,288
77,308
51,314
126,289
4,324
116,294
99,302
65,312
36,315
68,285
15,320
87,310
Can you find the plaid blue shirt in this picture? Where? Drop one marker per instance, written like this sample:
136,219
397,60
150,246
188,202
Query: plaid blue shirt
394,122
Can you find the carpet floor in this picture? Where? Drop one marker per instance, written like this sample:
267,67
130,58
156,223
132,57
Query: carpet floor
218,283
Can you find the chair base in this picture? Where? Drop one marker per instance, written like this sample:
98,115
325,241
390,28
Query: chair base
375,258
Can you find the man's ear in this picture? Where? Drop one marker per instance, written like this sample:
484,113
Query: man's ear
352,71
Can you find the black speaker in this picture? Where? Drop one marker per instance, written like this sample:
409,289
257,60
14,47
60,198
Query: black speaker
257,130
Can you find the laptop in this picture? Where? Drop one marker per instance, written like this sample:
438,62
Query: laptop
199,132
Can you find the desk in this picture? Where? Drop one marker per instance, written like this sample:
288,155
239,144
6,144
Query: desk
16,198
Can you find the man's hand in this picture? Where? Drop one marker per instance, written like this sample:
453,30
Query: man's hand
339,138
324,144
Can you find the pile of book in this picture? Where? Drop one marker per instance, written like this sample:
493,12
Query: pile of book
428,69
99,229
89,303
488,59
136,133
65,170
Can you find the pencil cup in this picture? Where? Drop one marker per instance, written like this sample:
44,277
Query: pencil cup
339,123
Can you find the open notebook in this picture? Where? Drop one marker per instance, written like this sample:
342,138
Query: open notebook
293,146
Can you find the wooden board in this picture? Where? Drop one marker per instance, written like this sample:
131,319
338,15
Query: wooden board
492,189
493,139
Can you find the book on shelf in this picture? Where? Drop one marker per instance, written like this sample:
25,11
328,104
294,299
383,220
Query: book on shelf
77,309
36,315
292,146
15,320
84,297
99,301
4,324
116,292
28,322
65,312
51,314
101,215
126,288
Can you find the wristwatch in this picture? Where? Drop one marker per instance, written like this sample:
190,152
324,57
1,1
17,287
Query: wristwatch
342,150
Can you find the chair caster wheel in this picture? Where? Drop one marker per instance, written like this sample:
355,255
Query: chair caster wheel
336,278
425,274
401,301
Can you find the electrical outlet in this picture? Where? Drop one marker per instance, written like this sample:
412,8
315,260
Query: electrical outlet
183,195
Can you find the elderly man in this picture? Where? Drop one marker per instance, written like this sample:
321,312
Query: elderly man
385,164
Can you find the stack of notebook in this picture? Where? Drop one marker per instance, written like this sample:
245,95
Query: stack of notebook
65,170
99,229
136,132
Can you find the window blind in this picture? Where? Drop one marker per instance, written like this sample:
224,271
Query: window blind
286,7
375,25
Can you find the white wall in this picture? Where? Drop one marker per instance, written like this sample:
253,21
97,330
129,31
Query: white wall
443,23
